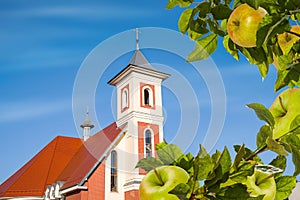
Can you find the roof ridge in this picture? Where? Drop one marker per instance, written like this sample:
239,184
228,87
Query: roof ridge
51,161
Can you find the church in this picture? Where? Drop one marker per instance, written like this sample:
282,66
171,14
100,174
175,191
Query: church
100,166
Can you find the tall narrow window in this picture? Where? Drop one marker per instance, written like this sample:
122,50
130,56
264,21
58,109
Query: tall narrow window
114,173
146,97
148,143
125,99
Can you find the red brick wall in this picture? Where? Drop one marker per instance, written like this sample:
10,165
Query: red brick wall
132,195
95,184
74,196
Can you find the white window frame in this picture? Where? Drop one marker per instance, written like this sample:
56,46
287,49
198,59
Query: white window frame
151,97
125,98
152,142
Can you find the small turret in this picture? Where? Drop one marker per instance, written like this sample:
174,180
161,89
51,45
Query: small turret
87,126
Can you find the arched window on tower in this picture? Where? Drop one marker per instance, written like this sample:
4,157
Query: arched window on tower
114,171
125,98
146,97
148,143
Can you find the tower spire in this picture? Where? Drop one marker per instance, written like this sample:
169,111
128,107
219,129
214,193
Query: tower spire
87,126
137,38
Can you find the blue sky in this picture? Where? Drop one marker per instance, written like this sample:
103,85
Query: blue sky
44,44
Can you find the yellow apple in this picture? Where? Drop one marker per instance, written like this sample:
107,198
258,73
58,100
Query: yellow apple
243,24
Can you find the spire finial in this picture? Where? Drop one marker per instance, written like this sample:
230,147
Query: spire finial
137,38
87,125
87,112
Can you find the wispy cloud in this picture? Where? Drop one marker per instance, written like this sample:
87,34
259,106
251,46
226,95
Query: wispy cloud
27,110
102,12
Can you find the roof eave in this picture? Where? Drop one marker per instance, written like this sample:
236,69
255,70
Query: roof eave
73,188
134,68
22,198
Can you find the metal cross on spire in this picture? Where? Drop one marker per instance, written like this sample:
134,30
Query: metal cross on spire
87,111
137,38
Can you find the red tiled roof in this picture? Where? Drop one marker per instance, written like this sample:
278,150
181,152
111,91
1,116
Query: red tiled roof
88,155
43,169
63,159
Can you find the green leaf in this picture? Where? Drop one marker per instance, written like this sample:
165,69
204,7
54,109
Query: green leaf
292,139
198,26
295,125
274,146
225,161
181,191
215,157
230,47
160,145
257,56
263,113
220,173
181,3
262,136
237,3
296,160
203,164
253,3
239,157
263,69
269,26
217,2
237,191
200,193
220,12
185,161
149,163
279,161
194,185
227,2
292,4
203,9
204,47
284,186
193,34
248,153
215,28
289,76
169,154
269,53
245,169
184,20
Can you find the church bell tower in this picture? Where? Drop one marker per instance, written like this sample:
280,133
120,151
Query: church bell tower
139,106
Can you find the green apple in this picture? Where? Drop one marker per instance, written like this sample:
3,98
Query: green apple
158,182
285,108
243,24
287,40
261,183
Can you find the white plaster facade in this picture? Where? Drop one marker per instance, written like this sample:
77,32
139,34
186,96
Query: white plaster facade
130,112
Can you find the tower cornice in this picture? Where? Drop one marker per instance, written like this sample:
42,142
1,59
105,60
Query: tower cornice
142,70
